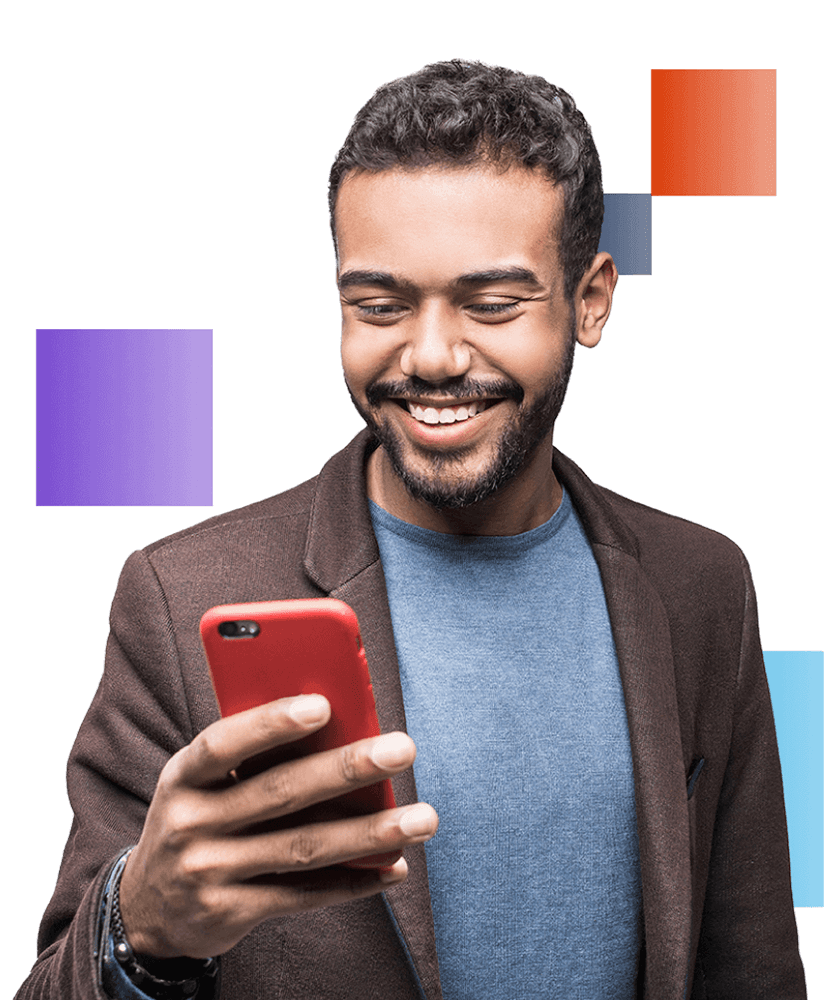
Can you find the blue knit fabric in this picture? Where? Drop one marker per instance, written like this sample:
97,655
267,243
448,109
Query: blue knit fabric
512,694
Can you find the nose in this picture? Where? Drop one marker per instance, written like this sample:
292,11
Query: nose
436,349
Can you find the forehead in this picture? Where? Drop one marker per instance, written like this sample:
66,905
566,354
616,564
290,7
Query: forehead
437,222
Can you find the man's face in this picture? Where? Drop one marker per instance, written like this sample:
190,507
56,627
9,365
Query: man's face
457,339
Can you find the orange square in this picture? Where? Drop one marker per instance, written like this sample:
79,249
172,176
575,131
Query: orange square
713,131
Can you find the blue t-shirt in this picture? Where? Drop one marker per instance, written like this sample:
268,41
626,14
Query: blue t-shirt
513,697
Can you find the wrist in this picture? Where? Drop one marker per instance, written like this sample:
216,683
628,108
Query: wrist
179,978
139,911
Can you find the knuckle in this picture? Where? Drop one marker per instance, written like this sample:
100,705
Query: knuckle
303,849
220,907
380,834
265,723
182,821
278,786
172,771
204,748
350,764
198,865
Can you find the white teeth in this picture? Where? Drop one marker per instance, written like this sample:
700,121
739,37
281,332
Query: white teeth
445,414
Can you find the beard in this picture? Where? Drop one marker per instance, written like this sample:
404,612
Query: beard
444,484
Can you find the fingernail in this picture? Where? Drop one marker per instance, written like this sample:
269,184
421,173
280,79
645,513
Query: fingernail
309,709
417,821
397,873
390,751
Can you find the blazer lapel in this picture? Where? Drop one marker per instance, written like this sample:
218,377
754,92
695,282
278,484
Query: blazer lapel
643,646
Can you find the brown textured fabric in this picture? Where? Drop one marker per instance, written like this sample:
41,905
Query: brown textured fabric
715,874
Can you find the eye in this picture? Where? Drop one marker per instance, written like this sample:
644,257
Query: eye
383,309
494,308
390,311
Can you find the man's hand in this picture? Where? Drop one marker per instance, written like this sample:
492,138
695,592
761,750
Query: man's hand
202,875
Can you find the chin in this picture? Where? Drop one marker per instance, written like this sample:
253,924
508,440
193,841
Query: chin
446,481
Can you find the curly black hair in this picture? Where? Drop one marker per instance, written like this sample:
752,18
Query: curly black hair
464,113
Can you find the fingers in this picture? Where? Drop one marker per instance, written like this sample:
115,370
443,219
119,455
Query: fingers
224,745
206,871
319,845
296,784
297,892
198,805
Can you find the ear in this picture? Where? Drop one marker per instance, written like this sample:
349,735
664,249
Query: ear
594,296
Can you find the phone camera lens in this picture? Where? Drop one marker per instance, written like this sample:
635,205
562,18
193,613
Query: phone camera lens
239,629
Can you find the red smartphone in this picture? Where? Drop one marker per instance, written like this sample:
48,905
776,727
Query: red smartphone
262,651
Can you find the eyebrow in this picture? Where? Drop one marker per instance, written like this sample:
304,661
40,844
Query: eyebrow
473,279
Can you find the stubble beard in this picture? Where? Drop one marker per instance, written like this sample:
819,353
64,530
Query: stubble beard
445,485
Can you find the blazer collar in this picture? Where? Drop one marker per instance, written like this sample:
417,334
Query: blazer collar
341,542
342,558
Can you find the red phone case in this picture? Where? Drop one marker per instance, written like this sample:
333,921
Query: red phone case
303,647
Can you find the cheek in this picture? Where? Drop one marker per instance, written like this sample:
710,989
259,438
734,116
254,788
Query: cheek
362,358
531,361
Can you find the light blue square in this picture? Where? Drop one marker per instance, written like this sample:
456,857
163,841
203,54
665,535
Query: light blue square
796,683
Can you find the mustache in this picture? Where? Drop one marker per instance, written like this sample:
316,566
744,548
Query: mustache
455,388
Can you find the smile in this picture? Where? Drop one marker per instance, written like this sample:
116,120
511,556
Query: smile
445,414
446,426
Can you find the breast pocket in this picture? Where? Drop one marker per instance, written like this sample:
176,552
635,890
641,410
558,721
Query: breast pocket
693,775
694,771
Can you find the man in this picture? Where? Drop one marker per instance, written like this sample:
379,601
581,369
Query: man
582,674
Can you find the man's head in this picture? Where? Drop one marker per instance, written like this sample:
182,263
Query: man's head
460,308
464,113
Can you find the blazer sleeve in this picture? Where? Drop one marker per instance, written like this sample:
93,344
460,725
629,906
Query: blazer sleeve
137,720
748,945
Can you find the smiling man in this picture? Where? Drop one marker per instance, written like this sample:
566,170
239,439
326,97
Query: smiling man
581,675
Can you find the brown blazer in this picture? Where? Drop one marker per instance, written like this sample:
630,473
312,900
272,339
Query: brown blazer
717,904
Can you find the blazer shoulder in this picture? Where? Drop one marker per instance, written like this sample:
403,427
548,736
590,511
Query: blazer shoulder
294,503
695,569
671,548
641,531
